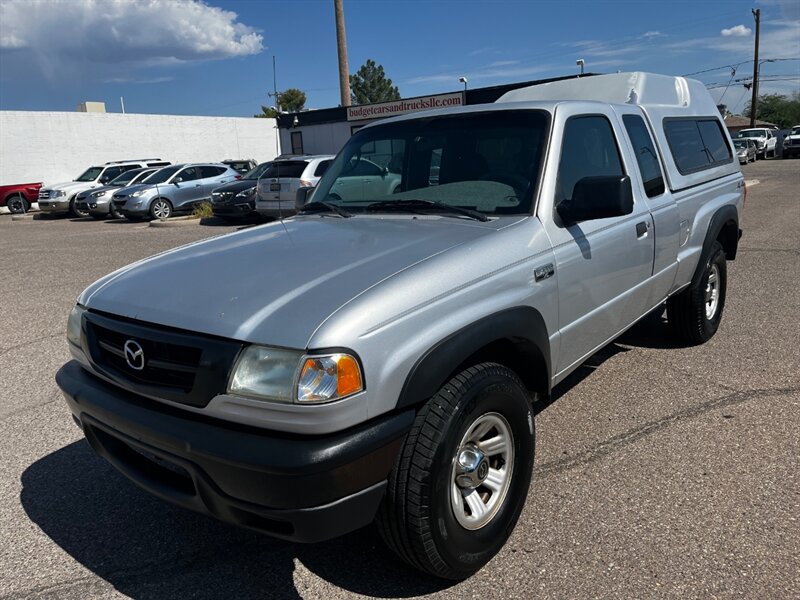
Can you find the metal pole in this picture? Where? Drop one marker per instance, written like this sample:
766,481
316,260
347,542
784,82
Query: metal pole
341,45
122,103
754,101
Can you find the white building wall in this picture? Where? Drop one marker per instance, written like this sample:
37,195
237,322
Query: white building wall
325,138
55,147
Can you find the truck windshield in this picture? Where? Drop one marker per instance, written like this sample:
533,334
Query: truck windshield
90,174
162,175
487,162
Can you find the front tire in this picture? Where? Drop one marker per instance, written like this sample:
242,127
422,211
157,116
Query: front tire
75,211
462,477
695,314
160,209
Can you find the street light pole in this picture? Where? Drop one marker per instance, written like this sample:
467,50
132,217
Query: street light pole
463,80
754,101
341,46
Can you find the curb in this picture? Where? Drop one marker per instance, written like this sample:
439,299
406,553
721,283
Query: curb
175,222
751,182
22,217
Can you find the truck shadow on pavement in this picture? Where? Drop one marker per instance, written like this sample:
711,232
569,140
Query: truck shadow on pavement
148,549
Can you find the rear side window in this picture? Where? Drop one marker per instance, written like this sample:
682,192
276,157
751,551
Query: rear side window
286,168
646,156
589,150
696,144
209,171
322,167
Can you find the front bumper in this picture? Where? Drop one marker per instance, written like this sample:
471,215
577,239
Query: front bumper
133,207
234,209
300,488
53,205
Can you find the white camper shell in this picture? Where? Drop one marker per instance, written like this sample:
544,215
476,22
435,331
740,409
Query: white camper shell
661,97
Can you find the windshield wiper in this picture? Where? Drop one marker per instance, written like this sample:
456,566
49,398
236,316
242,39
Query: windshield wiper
417,205
319,206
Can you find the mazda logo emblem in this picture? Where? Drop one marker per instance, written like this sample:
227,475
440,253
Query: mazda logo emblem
134,355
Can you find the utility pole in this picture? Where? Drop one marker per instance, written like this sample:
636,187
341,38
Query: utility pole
341,45
754,101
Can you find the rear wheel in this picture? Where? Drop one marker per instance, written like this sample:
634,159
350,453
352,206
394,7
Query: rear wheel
695,314
160,209
462,477
17,204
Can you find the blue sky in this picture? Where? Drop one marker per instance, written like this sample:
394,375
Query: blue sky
215,57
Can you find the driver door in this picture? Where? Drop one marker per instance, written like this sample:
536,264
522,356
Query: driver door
602,264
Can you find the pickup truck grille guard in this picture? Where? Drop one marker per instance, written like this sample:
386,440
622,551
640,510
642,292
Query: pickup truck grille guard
174,365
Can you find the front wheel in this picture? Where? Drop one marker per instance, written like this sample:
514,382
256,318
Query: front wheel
695,314
160,209
462,477
77,212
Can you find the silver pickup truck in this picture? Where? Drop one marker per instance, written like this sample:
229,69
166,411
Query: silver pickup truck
383,364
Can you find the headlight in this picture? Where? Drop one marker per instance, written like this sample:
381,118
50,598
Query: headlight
98,194
74,325
138,193
291,377
246,193
58,193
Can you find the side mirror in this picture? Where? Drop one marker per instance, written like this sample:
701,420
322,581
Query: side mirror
597,198
302,197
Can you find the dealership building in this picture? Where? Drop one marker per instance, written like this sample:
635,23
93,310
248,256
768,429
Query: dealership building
325,131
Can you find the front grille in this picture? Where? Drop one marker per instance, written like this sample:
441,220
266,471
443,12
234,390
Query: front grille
794,141
221,197
178,366
44,194
120,199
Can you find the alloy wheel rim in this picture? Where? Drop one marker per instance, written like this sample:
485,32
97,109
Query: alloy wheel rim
161,210
481,473
712,292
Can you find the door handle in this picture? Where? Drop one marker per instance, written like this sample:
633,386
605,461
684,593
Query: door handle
641,229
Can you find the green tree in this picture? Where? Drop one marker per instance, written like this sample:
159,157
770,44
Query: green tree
267,112
291,100
370,85
780,109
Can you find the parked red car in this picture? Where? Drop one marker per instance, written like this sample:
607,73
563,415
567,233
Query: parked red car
18,197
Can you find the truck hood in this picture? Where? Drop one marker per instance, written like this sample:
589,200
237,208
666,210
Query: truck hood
274,284
72,186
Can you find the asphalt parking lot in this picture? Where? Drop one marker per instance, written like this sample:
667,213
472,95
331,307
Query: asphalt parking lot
661,471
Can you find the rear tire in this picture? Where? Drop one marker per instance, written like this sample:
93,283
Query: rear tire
17,204
694,315
440,516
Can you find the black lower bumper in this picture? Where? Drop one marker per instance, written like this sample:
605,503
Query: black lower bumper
301,488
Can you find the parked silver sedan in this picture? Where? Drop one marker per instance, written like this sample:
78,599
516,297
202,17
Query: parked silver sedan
745,150
171,189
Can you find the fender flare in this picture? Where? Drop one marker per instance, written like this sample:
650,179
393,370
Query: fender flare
523,327
719,219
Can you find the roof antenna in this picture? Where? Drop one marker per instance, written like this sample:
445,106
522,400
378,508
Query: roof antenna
277,143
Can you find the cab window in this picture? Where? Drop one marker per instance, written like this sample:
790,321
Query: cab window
589,149
646,156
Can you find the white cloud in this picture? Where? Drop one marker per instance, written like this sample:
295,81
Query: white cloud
737,31
96,36
651,34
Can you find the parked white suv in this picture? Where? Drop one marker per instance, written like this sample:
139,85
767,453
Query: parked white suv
791,143
278,185
60,197
764,138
